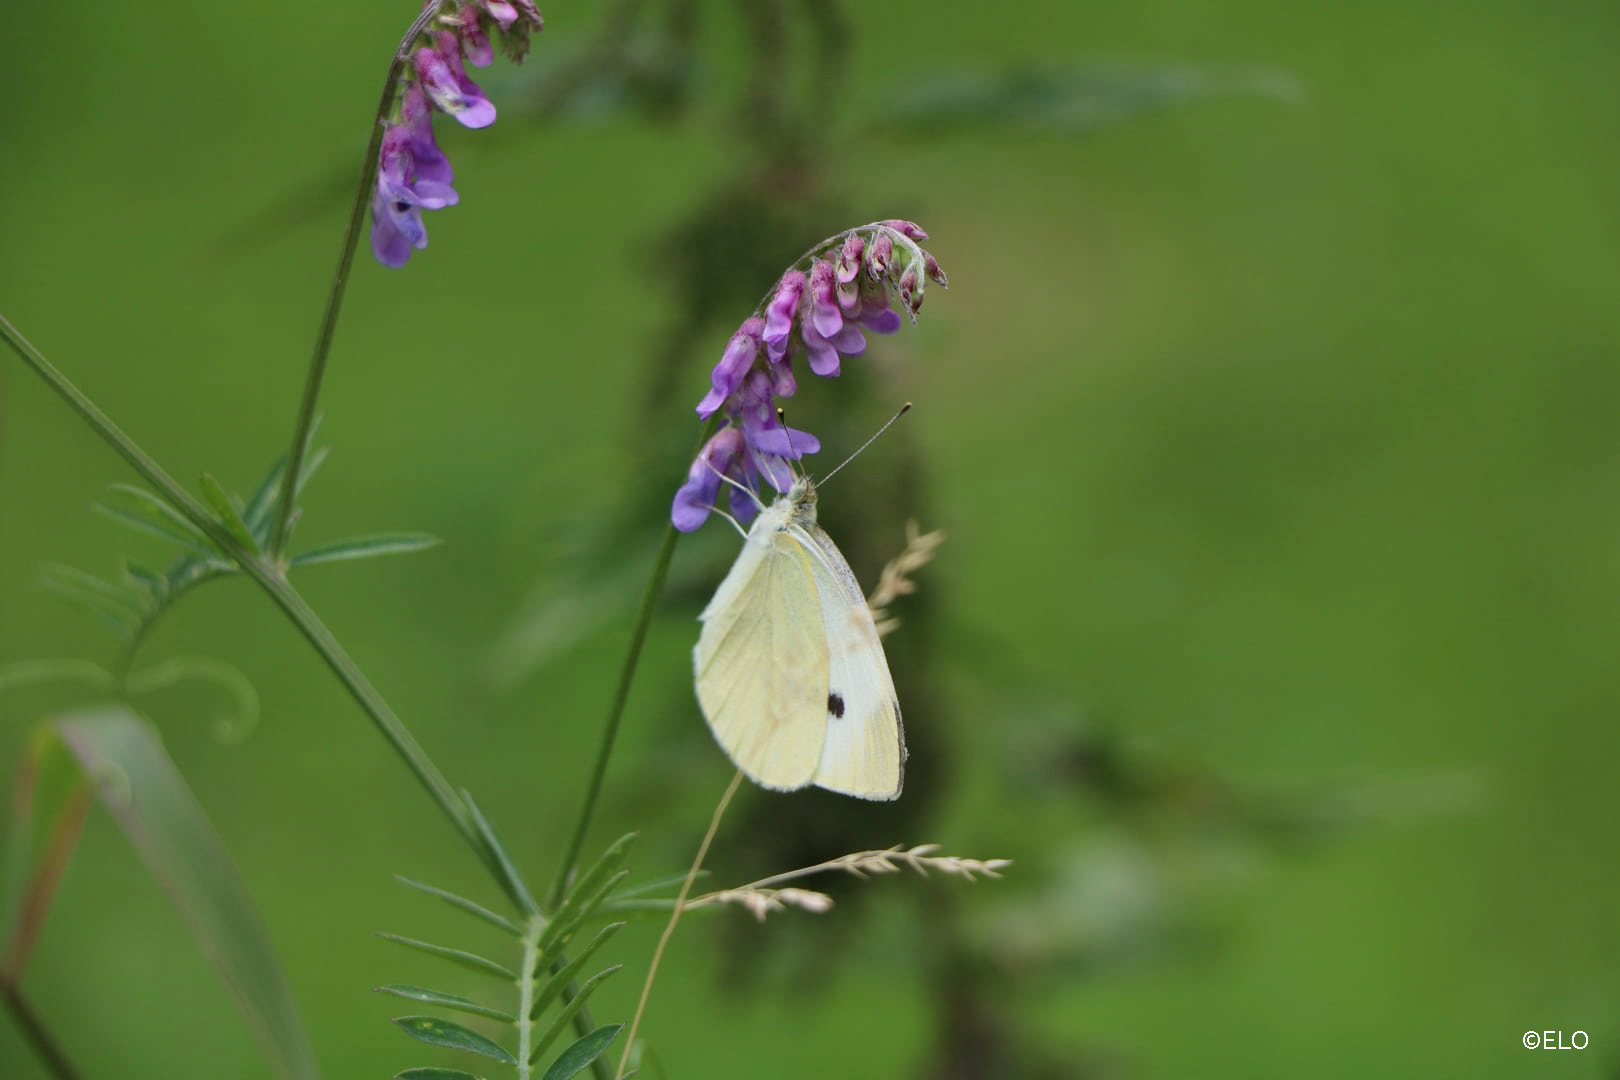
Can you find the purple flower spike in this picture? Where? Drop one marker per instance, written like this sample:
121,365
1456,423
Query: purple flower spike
444,79
824,312
733,366
413,174
779,314
819,312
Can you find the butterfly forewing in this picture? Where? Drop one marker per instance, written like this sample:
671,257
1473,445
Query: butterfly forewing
762,660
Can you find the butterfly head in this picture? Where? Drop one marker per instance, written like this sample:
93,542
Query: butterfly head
801,500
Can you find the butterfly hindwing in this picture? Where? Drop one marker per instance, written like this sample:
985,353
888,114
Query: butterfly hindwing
762,660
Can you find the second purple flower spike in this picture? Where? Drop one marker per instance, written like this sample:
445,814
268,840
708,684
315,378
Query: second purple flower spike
413,174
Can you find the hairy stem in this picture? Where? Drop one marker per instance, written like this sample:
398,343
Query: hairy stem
39,1036
340,282
675,917
139,459
527,974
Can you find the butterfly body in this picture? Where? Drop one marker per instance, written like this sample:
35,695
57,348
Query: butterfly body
790,672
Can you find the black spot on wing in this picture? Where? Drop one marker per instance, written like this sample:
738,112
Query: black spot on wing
835,705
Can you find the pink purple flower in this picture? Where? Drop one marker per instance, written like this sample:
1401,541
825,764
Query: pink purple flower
817,311
401,196
413,173
441,75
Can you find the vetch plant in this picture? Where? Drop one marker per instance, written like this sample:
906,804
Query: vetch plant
413,174
818,311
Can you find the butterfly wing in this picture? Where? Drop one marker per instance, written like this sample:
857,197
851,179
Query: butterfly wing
762,660
864,751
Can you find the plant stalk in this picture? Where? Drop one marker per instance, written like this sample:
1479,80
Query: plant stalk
674,918
610,730
340,281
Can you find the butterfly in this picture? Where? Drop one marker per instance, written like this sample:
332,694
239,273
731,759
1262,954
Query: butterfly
790,673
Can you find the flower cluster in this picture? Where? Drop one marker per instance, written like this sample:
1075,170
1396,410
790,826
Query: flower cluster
412,172
818,311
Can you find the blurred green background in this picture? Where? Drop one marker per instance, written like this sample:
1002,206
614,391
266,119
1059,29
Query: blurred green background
1274,434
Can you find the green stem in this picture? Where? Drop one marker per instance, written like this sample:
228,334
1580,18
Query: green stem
340,281
139,459
610,731
527,973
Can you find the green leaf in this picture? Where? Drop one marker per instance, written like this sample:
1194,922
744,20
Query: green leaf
161,512
606,864
456,956
565,975
447,1001
256,514
313,460
435,1074
566,1014
144,792
464,904
155,584
128,597
192,541
366,547
579,1056
510,878
122,611
572,914
448,1033
265,496
229,516
587,893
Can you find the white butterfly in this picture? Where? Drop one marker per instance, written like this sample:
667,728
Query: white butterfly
790,672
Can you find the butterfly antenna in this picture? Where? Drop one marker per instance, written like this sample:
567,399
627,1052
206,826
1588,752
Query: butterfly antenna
787,433
864,445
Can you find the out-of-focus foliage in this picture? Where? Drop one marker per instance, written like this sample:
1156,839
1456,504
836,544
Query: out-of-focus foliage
1276,445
